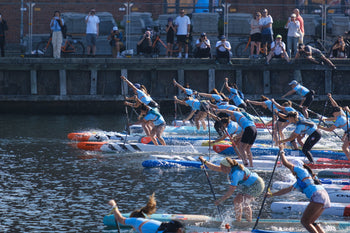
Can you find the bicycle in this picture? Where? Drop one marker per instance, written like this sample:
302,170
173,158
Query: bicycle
325,46
243,49
71,46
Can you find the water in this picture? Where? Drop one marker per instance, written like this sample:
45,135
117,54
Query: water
48,185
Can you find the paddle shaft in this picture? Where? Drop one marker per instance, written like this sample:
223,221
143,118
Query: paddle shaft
175,113
127,115
211,188
259,117
324,109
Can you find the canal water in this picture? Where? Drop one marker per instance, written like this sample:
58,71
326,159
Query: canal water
48,185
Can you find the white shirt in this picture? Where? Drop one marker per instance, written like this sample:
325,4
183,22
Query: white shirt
278,48
222,49
91,25
182,23
266,20
203,45
293,28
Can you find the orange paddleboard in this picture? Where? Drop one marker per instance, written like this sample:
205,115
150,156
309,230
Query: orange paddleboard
94,146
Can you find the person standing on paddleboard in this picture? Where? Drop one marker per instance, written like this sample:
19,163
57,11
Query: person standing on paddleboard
307,96
143,225
307,183
303,127
249,185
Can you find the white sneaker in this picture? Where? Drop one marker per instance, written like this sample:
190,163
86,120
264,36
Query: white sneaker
180,55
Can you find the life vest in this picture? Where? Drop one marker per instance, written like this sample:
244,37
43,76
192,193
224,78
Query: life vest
247,173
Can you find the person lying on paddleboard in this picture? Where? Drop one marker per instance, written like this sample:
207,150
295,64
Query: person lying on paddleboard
341,122
235,95
199,109
307,183
143,225
306,94
249,132
303,127
248,184
267,104
159,124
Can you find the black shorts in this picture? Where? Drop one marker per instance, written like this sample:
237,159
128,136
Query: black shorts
280,119
256,37
266,38
309,97
249,135
182,39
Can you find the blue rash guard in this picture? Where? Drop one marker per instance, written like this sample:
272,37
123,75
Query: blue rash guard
243,121
301,90
269,105
244,177
142,225
305,127
341,123
234,95
216,97
155,116
194,104
305,183
143,97
234,128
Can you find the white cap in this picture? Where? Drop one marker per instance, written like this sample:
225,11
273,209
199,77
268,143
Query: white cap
297,162
294,82
115,28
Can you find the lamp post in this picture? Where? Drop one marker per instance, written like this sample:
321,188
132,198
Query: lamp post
128,6
226,6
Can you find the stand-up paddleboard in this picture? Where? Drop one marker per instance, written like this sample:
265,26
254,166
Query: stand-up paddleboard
335,181
137,147
340,173
259,149
338,209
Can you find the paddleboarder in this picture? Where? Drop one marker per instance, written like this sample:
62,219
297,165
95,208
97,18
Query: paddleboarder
250,185
307,183
143,225
306,94
236,95
341,122
303,127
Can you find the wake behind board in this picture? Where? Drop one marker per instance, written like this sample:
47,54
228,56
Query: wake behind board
338,209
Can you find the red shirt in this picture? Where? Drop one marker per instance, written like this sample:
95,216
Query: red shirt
301,22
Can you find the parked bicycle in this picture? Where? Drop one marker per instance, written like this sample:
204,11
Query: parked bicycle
243,49
325,46
71,47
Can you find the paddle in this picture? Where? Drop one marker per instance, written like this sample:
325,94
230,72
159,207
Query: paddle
208,132
175,113
116,222
211,188
259,117
127,115
324,109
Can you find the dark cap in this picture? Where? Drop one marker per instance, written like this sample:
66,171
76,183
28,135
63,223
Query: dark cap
300,46
170,19
138,86
203,34
335,109
222,37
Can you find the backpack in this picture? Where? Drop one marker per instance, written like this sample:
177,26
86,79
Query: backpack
64,31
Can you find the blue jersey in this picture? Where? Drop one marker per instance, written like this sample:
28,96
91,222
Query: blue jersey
291,109
301,90
142,225
234,95
143,97
243,121
341,123
234,128
217,98
305,127
244,177
194,104
305,183
225,105
155,116
269,105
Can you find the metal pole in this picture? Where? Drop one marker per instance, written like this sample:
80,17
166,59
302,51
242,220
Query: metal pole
21,27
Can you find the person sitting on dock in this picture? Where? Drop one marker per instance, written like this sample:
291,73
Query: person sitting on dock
307,183
235,95
306,94
142,225
303,127
223,50
341,121
152,115
278,50
198,107
312,54
249,133
251,185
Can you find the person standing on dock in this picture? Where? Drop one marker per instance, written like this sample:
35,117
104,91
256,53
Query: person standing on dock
143,225
306,94
251,185
303,127
266,22
307,183
56,26
92,30
183,27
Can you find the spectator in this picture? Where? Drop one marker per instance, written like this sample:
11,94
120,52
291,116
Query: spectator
56,25
338,49
223,50
301,23
293,27
278,50
255,35
312,54
144,46
170,33
3,28
202,47
183,26
92,30
116,42
266,30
